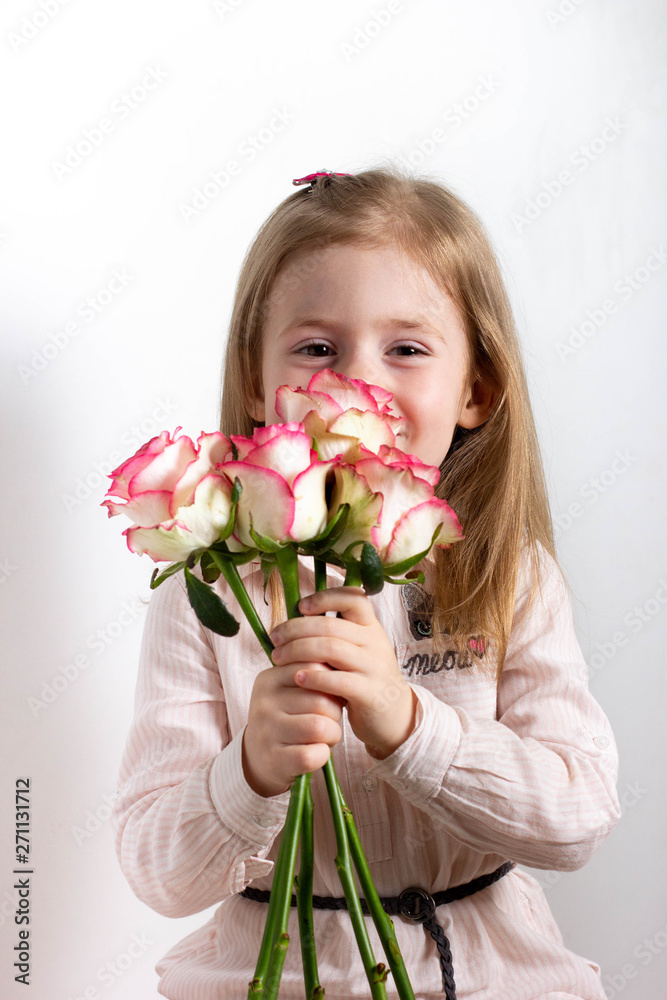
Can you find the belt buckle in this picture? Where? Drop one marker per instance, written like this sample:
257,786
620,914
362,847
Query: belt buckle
416,904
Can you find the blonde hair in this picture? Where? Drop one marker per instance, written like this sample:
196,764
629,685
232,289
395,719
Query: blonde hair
492,475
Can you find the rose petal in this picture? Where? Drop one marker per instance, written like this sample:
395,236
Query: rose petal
196,527
211,449
310,503
414,531
262,435
365,506
294,404
396,457
166,468
348,392
145,509
401,491
374,429
168,542
287,452
208,515
243,446
131,466
330,446
266,502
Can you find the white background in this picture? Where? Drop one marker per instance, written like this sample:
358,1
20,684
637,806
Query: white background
535,87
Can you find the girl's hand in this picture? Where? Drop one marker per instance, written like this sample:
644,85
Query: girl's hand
289,731
381,704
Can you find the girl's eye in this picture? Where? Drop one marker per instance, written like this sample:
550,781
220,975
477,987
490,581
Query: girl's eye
409,350
314,350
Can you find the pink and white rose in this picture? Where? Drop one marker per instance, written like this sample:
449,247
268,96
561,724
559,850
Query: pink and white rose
331,393
171,491
338,430
345,417
410,512
392,505
283,486
197,525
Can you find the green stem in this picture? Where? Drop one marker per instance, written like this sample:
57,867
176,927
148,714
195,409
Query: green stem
275,927
231,574
275,939
381,918
299,818
320,574
304,898
283,879
375,973
288,567
352,575
278,956
383,922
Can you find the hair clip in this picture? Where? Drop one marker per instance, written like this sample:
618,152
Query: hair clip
312,178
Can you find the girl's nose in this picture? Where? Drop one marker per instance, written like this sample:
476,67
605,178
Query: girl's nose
360,364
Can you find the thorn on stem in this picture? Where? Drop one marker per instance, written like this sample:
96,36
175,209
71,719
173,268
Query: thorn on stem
381,972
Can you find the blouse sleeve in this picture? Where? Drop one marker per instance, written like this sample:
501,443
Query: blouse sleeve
538,783
189,830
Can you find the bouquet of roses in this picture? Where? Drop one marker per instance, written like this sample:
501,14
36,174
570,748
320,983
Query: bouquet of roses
328,483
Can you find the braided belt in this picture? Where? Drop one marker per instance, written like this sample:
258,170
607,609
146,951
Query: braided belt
414,904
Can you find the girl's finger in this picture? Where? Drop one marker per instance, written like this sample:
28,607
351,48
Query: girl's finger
337,653
350,602
315,625
312,702
337,683
299,729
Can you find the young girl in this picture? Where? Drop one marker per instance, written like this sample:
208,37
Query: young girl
458,713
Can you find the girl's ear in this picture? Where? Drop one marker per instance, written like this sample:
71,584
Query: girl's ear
478,405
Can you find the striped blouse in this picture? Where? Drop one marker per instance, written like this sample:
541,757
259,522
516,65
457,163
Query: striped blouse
522,770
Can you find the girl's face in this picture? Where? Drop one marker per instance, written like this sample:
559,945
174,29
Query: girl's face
378,316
